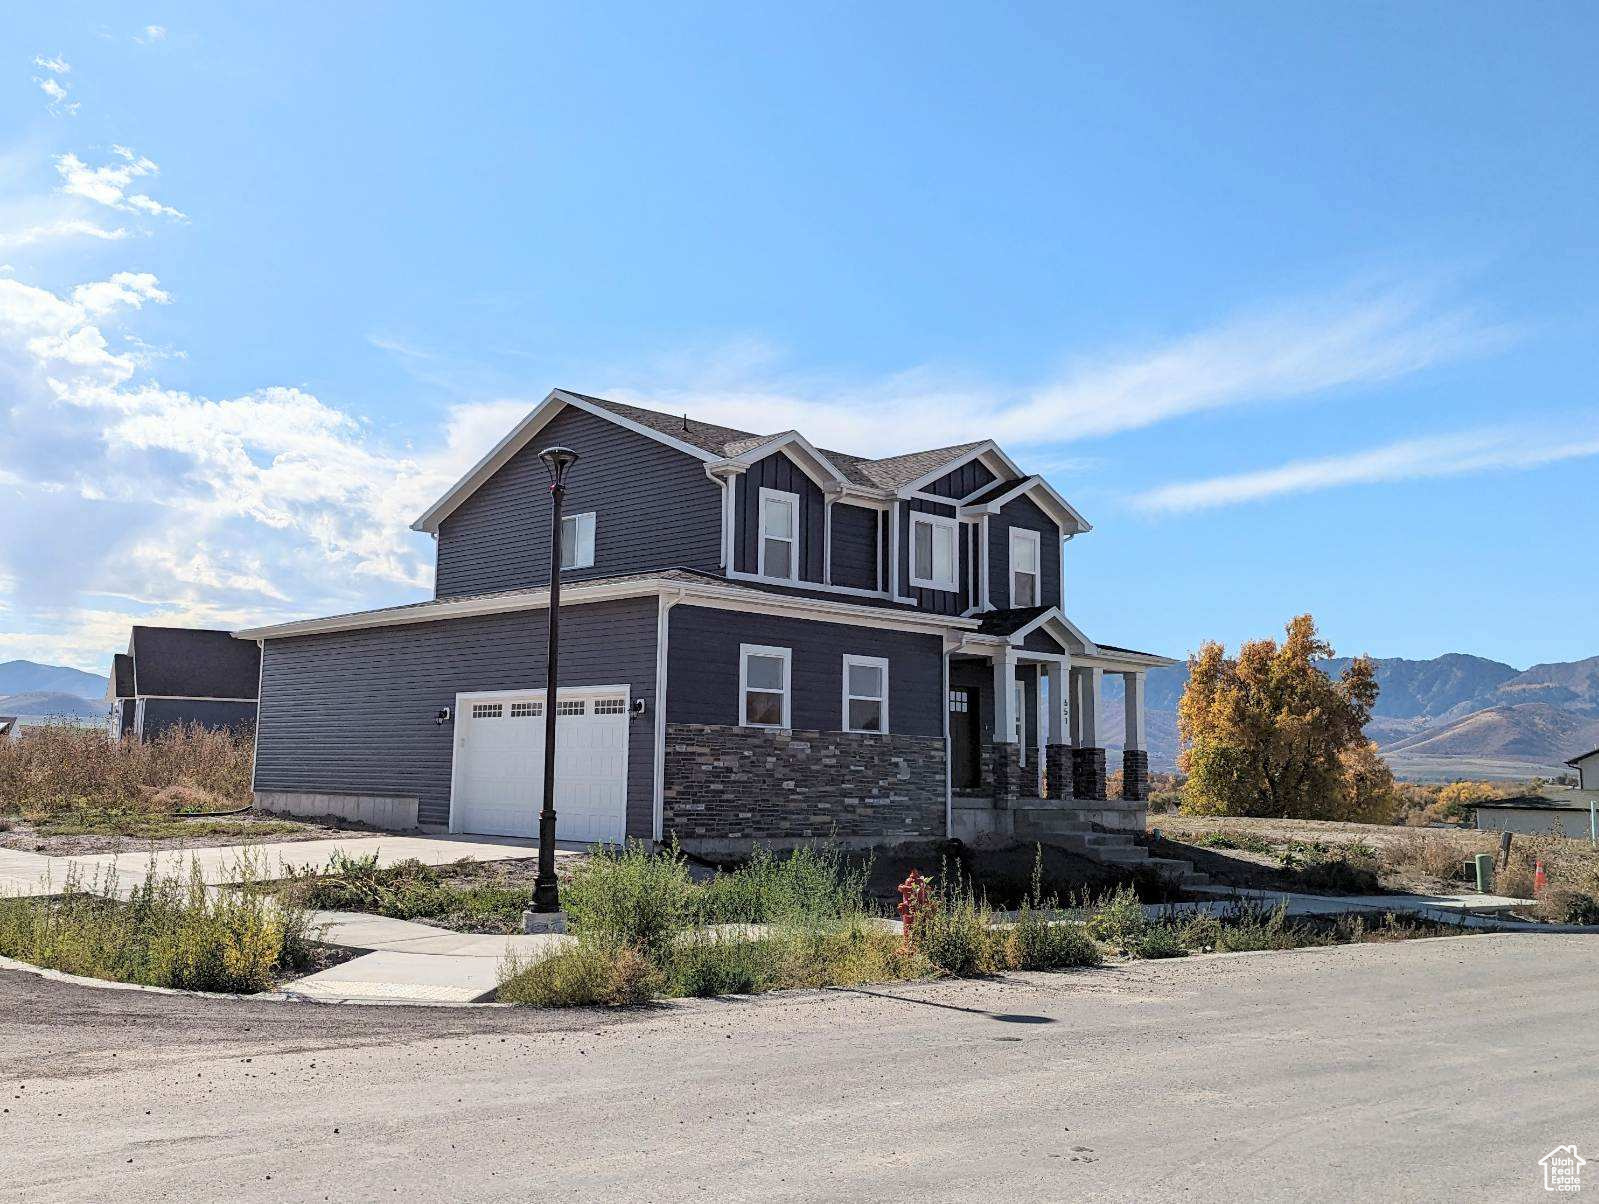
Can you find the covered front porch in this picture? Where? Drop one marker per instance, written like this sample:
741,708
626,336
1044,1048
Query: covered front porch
1024,725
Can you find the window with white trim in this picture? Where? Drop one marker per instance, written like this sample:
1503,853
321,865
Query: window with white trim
526,710
1025,561
577,541
865,694
933,551
779,551
763,686
610,706
487,710
574,706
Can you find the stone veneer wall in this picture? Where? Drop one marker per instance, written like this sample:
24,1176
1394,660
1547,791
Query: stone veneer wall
753,784
1088,773
1135,775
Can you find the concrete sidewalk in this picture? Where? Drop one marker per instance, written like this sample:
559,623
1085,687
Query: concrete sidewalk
24,873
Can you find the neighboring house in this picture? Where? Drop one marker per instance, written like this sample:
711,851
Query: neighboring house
8,726
761,640
173,675
1587,767
1554,811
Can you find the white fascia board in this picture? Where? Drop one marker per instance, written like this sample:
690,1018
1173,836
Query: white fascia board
519,437
988,448
725,597
1057,507
1054,616
1124,662
811,462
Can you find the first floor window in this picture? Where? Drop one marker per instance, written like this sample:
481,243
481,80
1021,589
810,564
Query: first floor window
865,694
932,551
779,554
1024,561
763,675
577,541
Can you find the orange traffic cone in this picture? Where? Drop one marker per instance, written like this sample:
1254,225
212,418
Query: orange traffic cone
1539,878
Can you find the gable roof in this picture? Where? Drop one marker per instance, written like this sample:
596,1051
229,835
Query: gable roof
1582,757
712,443
193,662
119,682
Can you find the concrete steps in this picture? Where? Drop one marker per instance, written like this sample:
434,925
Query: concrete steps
1063,825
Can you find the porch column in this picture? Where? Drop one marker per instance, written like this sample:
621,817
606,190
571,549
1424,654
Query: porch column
1088,757
1135,752
1057,752
1006,753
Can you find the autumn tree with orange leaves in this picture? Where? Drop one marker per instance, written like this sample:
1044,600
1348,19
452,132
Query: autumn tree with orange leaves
1269,734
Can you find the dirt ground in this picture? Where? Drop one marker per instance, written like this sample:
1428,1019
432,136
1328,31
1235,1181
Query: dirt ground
1406,860
74,836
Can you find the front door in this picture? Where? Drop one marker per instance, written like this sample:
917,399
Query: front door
964,771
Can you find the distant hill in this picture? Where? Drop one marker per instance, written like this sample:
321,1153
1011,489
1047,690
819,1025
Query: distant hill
1453,716
39,704
30,677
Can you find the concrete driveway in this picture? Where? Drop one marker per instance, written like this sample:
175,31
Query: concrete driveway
1430,1070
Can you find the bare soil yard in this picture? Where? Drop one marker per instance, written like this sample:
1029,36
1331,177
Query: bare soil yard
78,833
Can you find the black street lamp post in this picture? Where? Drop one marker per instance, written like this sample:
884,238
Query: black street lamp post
546,894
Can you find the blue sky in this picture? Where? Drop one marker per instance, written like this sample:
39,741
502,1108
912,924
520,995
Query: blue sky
1296,303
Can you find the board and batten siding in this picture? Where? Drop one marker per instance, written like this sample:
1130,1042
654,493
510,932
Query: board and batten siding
654,508
963,482
354,711
1023,512
854,546
702,676
777,471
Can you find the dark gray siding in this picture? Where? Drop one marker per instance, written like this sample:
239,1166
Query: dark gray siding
163,713
654,508
963,482
1022,512
777,471
938,601
184,662
702,669
354,710
854,546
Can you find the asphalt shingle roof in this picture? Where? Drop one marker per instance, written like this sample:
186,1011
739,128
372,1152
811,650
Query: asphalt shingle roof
890,472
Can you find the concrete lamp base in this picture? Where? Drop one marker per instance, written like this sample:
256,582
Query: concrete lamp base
543,921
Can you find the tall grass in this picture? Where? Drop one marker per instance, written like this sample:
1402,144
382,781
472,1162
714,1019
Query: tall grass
169,931
61,767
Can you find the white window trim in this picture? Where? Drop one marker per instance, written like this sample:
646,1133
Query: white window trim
873,662
745,651
1034,538
593,526
793,500
952,585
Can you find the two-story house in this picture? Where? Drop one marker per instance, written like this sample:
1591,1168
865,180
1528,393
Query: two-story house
762,640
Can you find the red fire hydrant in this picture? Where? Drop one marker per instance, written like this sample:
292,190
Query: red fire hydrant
915,902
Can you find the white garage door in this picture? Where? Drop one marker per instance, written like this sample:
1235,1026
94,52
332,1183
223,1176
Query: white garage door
499,764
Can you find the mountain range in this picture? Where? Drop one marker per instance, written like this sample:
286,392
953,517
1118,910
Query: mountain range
37,691
1453,716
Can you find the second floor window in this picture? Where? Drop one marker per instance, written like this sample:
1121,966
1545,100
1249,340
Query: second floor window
1024,572
933,551
577,541
779,553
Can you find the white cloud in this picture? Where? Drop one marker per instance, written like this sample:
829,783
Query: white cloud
124,288
151,33
56,65
1449,455
1296,350
108,185
57,94
64,228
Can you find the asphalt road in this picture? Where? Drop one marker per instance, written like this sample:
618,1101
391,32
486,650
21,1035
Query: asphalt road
1433,1070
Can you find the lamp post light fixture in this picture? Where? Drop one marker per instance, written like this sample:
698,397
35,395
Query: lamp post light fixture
546,894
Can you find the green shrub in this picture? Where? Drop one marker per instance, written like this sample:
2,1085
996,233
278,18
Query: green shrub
1229,838
1253,929
169,932
1157,941
1202,933
809,884
631,898
957,932
1119,920
586,974
1035,942
408,890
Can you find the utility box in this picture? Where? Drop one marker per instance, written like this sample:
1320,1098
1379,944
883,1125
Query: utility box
1485,872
